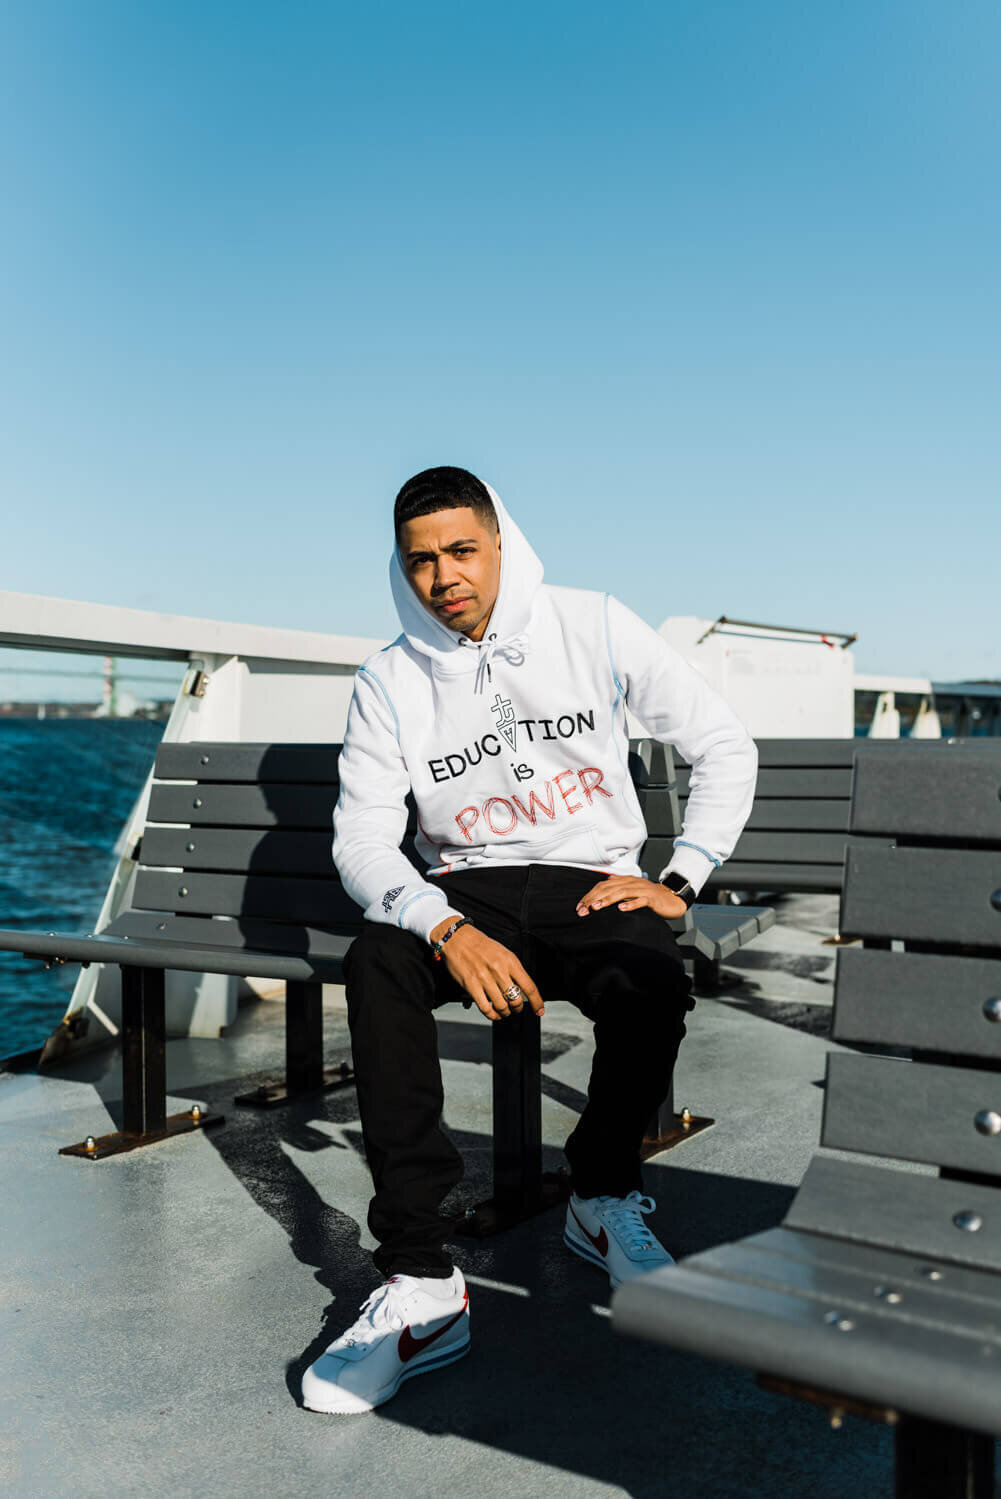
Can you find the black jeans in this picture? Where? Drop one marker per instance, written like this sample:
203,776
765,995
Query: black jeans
622,969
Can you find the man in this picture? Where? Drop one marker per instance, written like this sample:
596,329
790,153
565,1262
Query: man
502,708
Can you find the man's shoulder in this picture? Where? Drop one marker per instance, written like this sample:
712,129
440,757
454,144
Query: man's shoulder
387,664
575,603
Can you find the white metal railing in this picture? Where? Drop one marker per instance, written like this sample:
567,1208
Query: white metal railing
242,682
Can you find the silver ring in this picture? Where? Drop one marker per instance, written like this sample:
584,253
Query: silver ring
512,993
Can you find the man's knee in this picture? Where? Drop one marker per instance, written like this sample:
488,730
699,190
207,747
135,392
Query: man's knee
648,984
381,960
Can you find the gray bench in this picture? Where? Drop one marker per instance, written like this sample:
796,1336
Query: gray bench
710,932
795,838
235,876
882,1288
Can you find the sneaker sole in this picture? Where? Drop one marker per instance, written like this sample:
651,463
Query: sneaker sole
355,1405
588,1252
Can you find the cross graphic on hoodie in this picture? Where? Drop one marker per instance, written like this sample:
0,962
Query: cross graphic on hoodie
503,710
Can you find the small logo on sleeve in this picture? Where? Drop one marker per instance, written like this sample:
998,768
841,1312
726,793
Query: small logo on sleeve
390,896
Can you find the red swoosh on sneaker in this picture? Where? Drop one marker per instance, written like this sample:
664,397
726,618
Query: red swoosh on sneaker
409,1345
600,1241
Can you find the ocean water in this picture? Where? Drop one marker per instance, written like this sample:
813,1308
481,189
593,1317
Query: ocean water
66,787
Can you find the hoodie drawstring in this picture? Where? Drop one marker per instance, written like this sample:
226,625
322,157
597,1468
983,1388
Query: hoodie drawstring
512,650
483,665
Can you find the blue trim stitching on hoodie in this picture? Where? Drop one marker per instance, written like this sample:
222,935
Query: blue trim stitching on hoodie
620,691
620,694
366,671
684,843
421,895
611,659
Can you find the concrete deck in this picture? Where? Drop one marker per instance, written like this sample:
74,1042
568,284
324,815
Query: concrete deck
158,1308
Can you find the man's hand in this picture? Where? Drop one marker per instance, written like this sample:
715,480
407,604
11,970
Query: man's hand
630,893
485,968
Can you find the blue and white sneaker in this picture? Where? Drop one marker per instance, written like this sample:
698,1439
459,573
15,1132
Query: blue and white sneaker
610,1232
403,1329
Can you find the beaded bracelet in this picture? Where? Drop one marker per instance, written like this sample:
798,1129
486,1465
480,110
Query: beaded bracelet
437,946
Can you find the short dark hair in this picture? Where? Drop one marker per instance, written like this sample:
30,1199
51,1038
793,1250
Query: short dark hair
443,489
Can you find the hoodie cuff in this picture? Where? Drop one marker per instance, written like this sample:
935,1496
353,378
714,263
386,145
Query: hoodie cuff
695,866
425,913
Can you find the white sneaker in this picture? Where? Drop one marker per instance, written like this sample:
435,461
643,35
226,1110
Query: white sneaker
403,1329
610,1232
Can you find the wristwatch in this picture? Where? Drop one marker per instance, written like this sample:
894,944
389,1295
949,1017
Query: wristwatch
680,886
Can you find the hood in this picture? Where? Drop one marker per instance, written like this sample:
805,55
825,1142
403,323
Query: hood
520,578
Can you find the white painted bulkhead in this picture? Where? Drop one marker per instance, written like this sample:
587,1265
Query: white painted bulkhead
781,683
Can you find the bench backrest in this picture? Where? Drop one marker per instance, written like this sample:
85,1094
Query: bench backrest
243,831
925,983
252,835
797,834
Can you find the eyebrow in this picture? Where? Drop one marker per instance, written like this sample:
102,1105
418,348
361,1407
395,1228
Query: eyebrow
466,541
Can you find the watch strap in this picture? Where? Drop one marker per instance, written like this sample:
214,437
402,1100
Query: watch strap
680,886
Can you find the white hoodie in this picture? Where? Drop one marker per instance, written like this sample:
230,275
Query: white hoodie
516,747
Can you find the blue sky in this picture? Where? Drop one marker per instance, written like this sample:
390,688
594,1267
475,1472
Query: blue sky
709,292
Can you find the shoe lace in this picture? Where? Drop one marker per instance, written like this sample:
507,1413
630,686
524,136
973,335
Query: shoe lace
623,1216
378,1314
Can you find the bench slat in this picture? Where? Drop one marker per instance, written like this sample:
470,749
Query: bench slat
789,783
820,815
238,935
949,791
738,874
930,1001
798,848
314,902
827,754
784,753
293,764
263,850
881,1357
848,1276
913,1111
713,919
898,1210
244,806
719,931
750,874
147,952
922,894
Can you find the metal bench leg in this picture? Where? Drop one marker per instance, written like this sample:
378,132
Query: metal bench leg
706,973
144,1074
934,1461
304,1069
303,1037
144,1051
521,1188
669,1127
517,1062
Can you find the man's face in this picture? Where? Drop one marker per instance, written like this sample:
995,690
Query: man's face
452,559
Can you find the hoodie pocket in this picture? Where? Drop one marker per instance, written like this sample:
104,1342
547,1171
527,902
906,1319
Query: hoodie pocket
575,845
